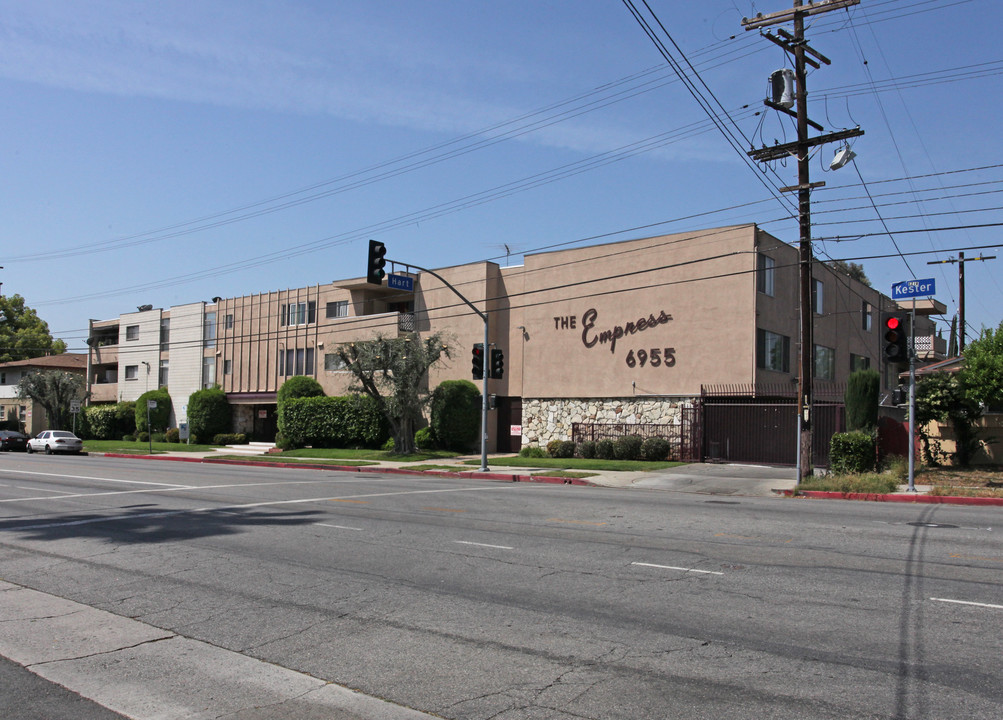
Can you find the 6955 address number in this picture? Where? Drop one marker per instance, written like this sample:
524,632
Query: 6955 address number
655,357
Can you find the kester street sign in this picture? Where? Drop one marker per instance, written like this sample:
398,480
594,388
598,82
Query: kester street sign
914,288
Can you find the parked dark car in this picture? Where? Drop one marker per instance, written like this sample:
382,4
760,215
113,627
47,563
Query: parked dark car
13,440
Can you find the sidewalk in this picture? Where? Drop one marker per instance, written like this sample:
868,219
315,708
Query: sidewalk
698,478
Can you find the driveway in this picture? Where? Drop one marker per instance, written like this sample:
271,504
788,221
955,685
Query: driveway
719,479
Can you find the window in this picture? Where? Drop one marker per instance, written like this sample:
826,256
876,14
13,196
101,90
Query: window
162,376
333,362
817,296
228,367
208,372
825,363
859,362
131,372
132,332
165,334
337,309
764,274
866,315
297,361
773,351
298,313
228,322
3,378
209,330
22,413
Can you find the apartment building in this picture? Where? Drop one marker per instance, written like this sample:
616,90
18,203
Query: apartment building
31,415
622,332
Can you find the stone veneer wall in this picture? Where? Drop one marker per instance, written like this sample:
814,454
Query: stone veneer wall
544,419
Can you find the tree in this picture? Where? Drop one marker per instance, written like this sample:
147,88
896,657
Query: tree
54,390
982,373
23,334
854,270
394,372
943,397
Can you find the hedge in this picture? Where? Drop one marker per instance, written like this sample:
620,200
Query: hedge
852,452
160,416
342,422
456,415
111,422
209,414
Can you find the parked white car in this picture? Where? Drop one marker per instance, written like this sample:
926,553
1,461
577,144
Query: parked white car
53,441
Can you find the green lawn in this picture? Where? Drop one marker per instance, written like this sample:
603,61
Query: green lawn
377,455
141,448
577,463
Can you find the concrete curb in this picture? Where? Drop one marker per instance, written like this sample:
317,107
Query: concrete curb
895,498
472,474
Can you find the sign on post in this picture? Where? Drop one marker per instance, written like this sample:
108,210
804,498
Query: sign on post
914,288
152,404
75,407
400,282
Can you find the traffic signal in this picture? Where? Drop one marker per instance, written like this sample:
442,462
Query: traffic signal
896,337
374,269
477,361
497,364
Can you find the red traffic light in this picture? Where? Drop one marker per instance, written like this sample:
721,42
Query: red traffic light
892,323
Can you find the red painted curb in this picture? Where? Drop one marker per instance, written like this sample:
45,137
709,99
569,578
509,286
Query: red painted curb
472,474
900,498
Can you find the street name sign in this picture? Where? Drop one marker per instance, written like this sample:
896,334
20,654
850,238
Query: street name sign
914,288
400,282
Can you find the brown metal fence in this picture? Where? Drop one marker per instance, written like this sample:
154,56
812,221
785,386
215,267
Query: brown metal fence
760,424
683,437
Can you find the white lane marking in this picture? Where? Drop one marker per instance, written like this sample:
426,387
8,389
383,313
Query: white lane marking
672,567
338,527
61,492
192,487
100,479
497,547
247,506
965,602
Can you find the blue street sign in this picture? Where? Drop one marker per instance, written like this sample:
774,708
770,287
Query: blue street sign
400,282
914,288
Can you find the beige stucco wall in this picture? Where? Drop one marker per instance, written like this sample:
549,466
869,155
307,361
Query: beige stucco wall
144,349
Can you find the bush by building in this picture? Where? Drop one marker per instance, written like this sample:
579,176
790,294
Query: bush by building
456,415
342,422
852,452
160,416
655,448
111,422
209,414
628,447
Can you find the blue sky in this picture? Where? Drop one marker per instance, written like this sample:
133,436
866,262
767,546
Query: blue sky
166,153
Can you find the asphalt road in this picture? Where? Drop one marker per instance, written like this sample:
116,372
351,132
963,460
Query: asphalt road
476,599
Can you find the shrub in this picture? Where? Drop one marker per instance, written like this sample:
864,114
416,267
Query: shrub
565,449
552,447
229,439
423,439
532,451
298,386
655,448
388,446
110,422
605,449
628,447
209,414
143,436
587,449
861,398
173,435
851,452
349,421
456,415
128,438
158,437
282,443
160,416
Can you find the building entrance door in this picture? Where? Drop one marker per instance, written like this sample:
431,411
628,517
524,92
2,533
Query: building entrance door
509,411
265,423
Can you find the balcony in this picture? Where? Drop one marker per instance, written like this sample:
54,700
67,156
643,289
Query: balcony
930,347
104,392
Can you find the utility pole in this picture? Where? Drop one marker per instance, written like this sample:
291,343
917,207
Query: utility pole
795,45
961,260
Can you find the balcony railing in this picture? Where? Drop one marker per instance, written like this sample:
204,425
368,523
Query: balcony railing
405,322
